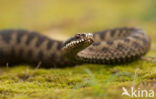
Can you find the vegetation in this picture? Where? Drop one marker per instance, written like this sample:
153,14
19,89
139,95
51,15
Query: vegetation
59,20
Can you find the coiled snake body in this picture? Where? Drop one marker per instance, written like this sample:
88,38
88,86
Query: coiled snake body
112,46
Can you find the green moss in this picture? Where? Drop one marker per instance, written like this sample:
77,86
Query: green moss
84,81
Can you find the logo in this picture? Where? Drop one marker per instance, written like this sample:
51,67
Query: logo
137,92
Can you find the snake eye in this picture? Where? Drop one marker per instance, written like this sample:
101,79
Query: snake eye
77,36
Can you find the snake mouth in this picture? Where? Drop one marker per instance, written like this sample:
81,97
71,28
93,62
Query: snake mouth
79,39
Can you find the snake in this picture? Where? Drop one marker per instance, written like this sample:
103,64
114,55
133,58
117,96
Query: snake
110,46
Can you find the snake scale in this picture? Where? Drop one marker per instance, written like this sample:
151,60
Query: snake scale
111,46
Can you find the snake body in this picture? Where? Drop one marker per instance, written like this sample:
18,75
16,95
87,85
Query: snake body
112,46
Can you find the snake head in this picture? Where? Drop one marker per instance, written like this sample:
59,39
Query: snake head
79,40
76,44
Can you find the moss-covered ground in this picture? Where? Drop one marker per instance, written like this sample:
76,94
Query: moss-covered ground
59,20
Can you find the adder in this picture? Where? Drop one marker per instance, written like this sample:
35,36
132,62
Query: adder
111,46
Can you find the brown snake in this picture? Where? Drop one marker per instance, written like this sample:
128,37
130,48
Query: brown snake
112,46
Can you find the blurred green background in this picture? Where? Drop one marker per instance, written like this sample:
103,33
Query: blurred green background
72,16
